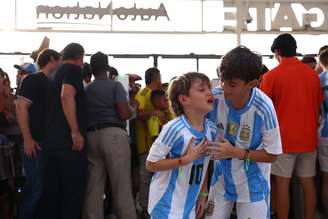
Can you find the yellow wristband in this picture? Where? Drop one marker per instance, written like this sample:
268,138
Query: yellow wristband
203,194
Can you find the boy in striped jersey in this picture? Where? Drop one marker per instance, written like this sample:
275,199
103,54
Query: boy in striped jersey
249,140
177,156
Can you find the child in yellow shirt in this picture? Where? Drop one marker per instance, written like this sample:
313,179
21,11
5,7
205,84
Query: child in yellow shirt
160,102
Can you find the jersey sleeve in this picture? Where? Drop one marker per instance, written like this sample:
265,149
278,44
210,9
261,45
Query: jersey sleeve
271,134
272,141
162,145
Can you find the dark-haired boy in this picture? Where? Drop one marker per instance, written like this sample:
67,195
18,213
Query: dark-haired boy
178,164
32,108
248,140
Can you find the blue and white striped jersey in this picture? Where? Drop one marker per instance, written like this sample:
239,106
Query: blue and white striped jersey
254,127
323,129
173,193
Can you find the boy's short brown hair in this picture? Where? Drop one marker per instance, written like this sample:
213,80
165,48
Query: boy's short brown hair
323,57
181,86
240,63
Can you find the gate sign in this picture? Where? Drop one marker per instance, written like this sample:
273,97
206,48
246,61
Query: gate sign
297,15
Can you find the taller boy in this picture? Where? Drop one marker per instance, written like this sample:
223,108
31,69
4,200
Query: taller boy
249,140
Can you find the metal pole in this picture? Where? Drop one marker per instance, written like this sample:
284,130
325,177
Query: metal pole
239,19
155,61
202,4
111,15
197,64
15,14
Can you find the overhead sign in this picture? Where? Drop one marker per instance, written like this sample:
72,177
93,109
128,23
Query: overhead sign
90,12
113,15
173,16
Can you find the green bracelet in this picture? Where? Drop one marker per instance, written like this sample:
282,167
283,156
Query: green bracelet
247,160
203,194
246,163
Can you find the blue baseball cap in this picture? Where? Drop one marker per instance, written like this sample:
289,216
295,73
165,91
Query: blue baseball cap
27,67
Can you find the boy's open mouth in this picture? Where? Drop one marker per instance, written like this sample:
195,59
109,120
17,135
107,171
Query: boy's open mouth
211,100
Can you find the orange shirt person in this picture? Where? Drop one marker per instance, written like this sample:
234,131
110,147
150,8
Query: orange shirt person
295,92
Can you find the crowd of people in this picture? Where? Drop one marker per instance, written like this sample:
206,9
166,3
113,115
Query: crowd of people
90,147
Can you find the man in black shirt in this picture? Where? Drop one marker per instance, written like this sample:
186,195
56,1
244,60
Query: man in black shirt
34,102
65,160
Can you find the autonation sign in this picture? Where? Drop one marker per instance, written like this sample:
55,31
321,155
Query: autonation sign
181,15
